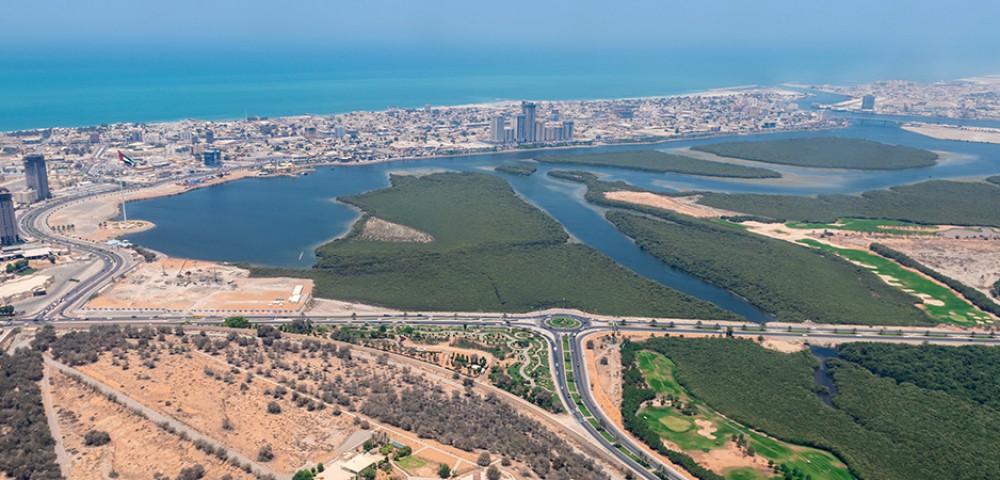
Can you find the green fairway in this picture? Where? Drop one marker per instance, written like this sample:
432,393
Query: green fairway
894,227
914,399
411,462
697,427
825,152
662,162
941,303
491,251
563,323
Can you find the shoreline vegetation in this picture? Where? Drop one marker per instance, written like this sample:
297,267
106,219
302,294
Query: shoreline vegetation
661,162
824,152
897,411
778,277
934,202
519,168
492,251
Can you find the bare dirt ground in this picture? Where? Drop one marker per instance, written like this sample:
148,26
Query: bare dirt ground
687,205
191,286
376,229
607,379
952,132
974,262
138,448
179,387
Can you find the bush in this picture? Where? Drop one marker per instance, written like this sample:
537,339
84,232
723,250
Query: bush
492,473
273,408
265,454
96,438
191,473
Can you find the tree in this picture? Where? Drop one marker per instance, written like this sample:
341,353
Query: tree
320,467
492,473
273,408
444,471
484,459
302,475
238,321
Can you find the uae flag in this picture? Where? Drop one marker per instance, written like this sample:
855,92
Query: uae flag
127,160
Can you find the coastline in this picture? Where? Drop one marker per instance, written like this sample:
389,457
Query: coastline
149,191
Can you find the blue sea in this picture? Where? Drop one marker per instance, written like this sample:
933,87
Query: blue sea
89,86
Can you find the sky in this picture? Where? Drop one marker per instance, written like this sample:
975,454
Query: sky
934,26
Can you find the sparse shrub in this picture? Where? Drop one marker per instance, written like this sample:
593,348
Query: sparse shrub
96,438
195,472
265,454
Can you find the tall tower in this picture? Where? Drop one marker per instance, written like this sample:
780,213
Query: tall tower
528,110
36,176
8,224
498,129
868,103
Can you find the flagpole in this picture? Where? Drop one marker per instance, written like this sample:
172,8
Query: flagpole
124,213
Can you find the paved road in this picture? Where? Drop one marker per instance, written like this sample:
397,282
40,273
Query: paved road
115,262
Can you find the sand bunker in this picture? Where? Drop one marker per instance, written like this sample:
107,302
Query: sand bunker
705,428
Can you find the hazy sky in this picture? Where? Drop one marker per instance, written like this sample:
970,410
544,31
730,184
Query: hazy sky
942,25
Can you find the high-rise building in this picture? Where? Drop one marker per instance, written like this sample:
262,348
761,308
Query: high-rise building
8,223
567,130
538,134
209,136
528,110
520,129
212,158
868,102
36,177
498,129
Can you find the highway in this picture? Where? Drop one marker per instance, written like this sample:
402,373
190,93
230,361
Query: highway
115,262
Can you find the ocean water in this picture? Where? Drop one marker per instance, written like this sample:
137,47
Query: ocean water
90,86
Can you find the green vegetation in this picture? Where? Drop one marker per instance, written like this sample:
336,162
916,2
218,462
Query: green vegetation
943,305
675,421
238,321
662,162
531,351
935,202
995,291
977,298
492,252
893,227
565,323
522,169
825,152
20,267
411,462
776,276
880,428
27,450
971,372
